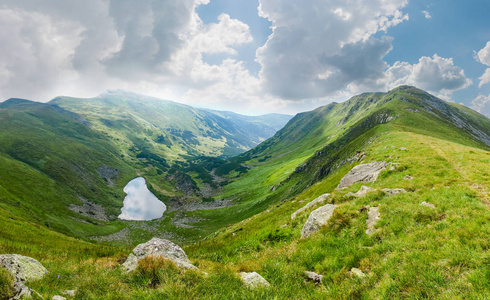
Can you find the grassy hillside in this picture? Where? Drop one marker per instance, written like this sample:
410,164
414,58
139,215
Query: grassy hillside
415,252
149,126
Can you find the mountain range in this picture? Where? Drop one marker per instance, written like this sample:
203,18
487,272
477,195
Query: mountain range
231,183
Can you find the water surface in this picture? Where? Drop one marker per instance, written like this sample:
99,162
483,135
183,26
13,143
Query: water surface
140,204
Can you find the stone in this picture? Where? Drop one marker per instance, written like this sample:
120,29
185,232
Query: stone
318,218
356,272
312,276
58,298
23,269
403,149
312,203
70,293
427,204
363,191
373,218
158,247
253,280
364,173
394,191
408,177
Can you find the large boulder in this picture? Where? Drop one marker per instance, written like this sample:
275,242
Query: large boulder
318,218
23,269
158,247
362,173
319,199
253,280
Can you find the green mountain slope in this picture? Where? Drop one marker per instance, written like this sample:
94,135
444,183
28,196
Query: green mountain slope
168,129
437,151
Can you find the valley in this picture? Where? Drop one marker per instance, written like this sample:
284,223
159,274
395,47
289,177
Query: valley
230,184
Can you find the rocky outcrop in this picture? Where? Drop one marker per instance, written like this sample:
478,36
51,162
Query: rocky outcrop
362,191
319,199
318,218
158,247
23,269
373,218
362,173
394,191
108,174
253,280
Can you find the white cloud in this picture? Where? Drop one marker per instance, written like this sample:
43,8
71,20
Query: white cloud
485,78
481,104
309,52
435,74
483,56
426,14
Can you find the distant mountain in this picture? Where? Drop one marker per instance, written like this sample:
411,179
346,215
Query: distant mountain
169,129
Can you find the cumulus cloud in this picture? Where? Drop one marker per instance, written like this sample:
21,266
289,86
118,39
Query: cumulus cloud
308,53
483,56
481,104
85,47
435,74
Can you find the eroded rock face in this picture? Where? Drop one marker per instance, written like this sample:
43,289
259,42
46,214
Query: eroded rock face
362,173
23,269
318,218
312,203
253,279
158,247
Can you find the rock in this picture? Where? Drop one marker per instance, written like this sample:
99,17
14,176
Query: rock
58,298
373,218
362,173
408,177
394,191
356,272
158,247
317,219
393,166
363,191
312,276
403,149
312,203
253,280
23,269
70,293
427,204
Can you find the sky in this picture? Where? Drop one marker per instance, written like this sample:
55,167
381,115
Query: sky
248,56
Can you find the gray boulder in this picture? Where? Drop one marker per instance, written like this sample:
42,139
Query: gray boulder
362,173
158,247
253,280
319,199
312,276
394,191
408,177
373,218
362,191
57,297
318,218
23,269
